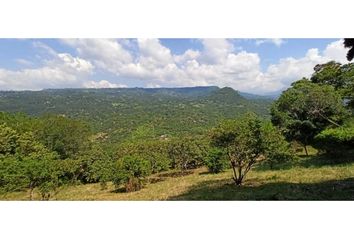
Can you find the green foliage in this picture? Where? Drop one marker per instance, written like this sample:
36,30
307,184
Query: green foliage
131,171
65,136
306,109
187,153
216,160
328,74
29,172
276,149
26,163
95,165
336,141
124,114
12,176
341,77
8,140
41,173
143,132
71,171
247,141
155,151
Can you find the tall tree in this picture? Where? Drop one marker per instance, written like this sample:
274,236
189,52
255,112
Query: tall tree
329,73
306,109
63,135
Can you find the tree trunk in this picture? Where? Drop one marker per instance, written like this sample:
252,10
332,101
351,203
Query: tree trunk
237,177
31,193
307,154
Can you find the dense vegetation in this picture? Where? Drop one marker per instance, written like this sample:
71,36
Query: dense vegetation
118,114
121,138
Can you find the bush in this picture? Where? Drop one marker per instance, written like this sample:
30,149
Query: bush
248,141
216,160
335,141
276,149
8,140
153,151
131,171
187,153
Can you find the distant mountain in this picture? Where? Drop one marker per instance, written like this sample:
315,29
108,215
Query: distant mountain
120,111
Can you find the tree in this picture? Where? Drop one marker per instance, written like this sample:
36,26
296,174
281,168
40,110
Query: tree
26,163
348,89
65,136
305,109
329,74
41,173
341,77
131,171
35,170
276,149
246,143
349,43
155,151
187,153
8,140
96,166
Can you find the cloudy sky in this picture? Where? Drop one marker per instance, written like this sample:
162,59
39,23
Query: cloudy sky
260,66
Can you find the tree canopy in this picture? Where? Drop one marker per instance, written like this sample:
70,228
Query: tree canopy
306,109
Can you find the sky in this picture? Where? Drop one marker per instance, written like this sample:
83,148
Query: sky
259,66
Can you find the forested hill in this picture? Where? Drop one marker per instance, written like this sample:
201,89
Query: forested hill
123,112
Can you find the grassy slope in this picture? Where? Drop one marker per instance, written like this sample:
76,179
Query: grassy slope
307,179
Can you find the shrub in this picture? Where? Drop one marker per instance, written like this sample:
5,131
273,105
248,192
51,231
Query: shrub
131,171
154,151
247,141
335,141
187,153
8,140
216,160
276,149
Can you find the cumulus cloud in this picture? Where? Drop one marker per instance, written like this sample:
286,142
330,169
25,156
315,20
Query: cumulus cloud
291,69
107,54
61,71
219,62
276,41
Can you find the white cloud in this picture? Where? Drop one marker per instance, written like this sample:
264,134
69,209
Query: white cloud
147,60
107,54
336,51
276,41
103,84
61,71
291,69
216,50
153,54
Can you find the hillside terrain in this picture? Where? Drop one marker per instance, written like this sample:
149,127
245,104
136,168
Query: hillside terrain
309,178
120,112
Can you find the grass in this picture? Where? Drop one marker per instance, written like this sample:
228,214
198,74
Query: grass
309,178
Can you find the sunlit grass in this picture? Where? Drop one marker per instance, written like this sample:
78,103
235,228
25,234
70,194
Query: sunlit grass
305,179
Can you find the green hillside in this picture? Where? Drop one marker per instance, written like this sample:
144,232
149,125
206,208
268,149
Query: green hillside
120,112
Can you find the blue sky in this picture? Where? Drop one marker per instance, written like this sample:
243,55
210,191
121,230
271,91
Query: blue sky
259,66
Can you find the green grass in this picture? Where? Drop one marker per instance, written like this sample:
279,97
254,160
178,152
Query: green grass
309,178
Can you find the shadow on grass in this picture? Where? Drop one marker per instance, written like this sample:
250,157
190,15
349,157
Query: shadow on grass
175,174
158,178
226,190
326,160
314,161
